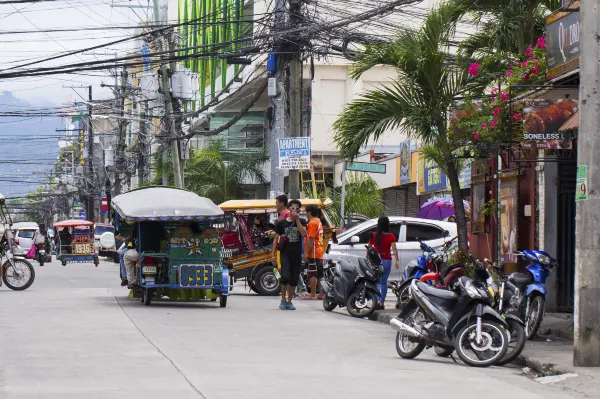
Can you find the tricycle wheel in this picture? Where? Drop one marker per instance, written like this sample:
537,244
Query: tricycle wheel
64,263
213,299
266,281
96,261
223,300
147,296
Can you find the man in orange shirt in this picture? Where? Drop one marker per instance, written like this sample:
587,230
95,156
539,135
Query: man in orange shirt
314,249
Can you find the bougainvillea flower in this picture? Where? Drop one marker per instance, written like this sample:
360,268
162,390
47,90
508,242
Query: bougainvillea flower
536,67
528,51
473,69
541,43
517,116
476,137
509,73
504,96
494,123
484,125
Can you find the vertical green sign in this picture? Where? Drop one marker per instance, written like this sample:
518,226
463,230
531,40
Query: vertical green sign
581,193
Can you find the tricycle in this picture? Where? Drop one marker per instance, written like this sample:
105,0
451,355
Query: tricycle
75,242
178,249
247,254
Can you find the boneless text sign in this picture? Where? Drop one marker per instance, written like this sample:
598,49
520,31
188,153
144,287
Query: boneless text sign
294,153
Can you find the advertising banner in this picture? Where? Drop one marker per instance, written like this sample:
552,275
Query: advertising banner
508,221
546,123
294,153
562,42
431,178
478,201
405,148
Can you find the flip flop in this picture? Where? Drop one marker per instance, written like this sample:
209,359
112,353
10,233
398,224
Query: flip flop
310,298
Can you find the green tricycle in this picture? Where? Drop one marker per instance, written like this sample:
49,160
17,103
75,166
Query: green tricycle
179,251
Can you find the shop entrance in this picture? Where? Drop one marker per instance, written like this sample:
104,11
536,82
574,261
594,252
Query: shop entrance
565,273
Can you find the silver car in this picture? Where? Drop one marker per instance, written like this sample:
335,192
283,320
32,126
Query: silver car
23,233
351,244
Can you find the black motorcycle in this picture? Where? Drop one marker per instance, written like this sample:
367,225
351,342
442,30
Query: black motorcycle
461,318
353,286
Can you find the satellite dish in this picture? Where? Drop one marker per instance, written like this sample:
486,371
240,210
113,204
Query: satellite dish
63,143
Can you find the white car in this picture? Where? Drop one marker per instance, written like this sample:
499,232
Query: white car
23,233
351,244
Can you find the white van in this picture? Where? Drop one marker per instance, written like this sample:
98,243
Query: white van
23,233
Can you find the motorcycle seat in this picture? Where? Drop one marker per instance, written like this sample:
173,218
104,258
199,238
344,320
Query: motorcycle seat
344,266
520,278
439,293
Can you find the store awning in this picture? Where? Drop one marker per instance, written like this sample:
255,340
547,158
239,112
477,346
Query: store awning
571,124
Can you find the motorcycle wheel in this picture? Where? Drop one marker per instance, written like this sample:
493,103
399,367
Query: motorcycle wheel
41,260
360,310
516,332
489,352
402,341
442,351
328,303
403,298
534,318
19,276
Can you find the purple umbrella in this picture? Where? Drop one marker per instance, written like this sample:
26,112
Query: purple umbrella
439,209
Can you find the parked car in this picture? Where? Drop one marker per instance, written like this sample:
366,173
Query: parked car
104,241
353,219
351,243
23,233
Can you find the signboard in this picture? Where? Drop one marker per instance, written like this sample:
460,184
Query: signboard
82,214
365,167
435,179
562,42
545,123
294,153
405,162
104,205
431,178
478,201
581,194
508,221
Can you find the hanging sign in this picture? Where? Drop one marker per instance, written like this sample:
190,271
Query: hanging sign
294,153
405,162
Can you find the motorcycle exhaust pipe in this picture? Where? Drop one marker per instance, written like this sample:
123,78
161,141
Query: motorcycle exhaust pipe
325,286
398,325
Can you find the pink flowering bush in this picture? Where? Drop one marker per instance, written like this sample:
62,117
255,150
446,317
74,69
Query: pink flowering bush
489,120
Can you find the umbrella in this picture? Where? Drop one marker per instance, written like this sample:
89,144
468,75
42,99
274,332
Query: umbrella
440,208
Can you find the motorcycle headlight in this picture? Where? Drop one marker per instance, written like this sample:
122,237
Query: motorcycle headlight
476,292
543,259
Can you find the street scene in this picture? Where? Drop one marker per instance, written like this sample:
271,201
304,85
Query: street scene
257,198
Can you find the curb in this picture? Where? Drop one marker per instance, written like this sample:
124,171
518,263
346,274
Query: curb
540,368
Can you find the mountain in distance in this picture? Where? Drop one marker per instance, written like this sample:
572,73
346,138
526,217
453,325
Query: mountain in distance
28,145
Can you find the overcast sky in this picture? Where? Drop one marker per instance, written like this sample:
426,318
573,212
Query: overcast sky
17,49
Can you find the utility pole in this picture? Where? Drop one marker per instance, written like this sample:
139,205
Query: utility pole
92,181
120,152
169,116
142,141
278,117
295,91
587,235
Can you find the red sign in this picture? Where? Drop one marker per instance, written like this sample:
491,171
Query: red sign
104,205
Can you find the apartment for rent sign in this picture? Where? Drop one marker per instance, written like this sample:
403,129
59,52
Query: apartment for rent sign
294,153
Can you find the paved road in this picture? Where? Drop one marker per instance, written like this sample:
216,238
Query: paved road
74,334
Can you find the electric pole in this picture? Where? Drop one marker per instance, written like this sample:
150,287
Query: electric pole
120,163
142,145
169,116
587,235
295,91
91,180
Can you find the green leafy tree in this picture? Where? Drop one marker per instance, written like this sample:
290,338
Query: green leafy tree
418,102
221,175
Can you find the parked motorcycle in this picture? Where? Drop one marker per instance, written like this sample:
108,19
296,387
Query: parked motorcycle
461,318
429,262
525,294
353,286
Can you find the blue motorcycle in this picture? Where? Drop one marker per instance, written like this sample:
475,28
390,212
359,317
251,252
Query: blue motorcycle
526,293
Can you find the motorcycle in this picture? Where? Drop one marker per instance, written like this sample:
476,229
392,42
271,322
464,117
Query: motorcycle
353,286
429,262
516,327
525,294
41,255
464,321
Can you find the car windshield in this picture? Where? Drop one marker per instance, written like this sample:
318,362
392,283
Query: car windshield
26,233
99,230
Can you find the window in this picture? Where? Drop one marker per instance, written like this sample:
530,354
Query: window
423,232
365,235
99,230
26,234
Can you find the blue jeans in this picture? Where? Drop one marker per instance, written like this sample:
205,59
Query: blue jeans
122,261
383,286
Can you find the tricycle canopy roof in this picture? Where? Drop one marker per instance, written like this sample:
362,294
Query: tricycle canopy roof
73,223
265,205
164,203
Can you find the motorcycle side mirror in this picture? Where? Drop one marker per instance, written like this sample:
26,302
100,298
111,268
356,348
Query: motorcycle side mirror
355,239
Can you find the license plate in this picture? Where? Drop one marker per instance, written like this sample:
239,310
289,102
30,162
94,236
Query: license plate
196,275
83,249
149,269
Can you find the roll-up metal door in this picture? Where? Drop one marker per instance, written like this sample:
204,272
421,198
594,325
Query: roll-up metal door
401,200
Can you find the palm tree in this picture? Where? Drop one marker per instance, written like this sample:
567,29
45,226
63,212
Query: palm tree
417,103
221,175
506,26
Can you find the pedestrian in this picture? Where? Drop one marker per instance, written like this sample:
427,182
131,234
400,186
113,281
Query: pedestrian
452,219
289,242
384,243
314,249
